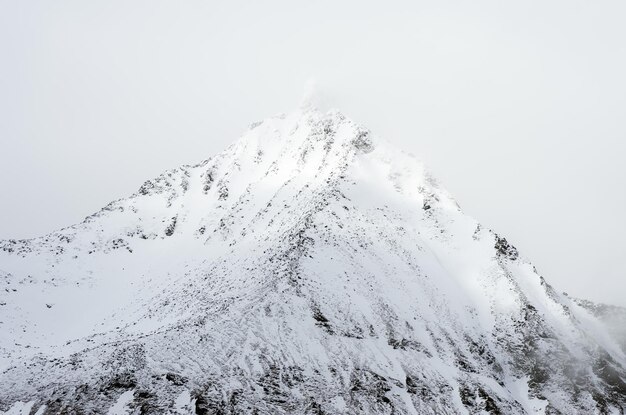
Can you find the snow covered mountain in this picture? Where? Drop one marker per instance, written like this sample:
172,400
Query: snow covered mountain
310,268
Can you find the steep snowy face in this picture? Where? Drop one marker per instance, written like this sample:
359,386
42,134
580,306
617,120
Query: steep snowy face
308,268
185,217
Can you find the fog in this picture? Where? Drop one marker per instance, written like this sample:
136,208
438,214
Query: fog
517,107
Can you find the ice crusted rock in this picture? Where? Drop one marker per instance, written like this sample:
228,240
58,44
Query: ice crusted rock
309,268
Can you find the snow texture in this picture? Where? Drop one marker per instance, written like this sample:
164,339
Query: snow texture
310,268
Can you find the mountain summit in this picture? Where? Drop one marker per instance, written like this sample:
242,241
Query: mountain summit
310,268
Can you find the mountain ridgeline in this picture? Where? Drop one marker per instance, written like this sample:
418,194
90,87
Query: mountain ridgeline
310,268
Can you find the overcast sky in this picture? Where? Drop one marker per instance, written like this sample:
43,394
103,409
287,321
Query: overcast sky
519,108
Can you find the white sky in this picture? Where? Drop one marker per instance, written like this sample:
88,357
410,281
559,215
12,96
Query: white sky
519,108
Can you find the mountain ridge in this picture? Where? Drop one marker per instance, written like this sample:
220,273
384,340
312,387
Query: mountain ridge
308,268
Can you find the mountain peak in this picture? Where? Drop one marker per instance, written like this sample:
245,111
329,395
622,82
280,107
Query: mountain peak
309,127
309,267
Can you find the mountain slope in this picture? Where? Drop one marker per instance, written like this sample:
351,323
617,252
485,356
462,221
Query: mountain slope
308,268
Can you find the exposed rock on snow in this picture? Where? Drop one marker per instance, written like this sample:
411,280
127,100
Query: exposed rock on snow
308,268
